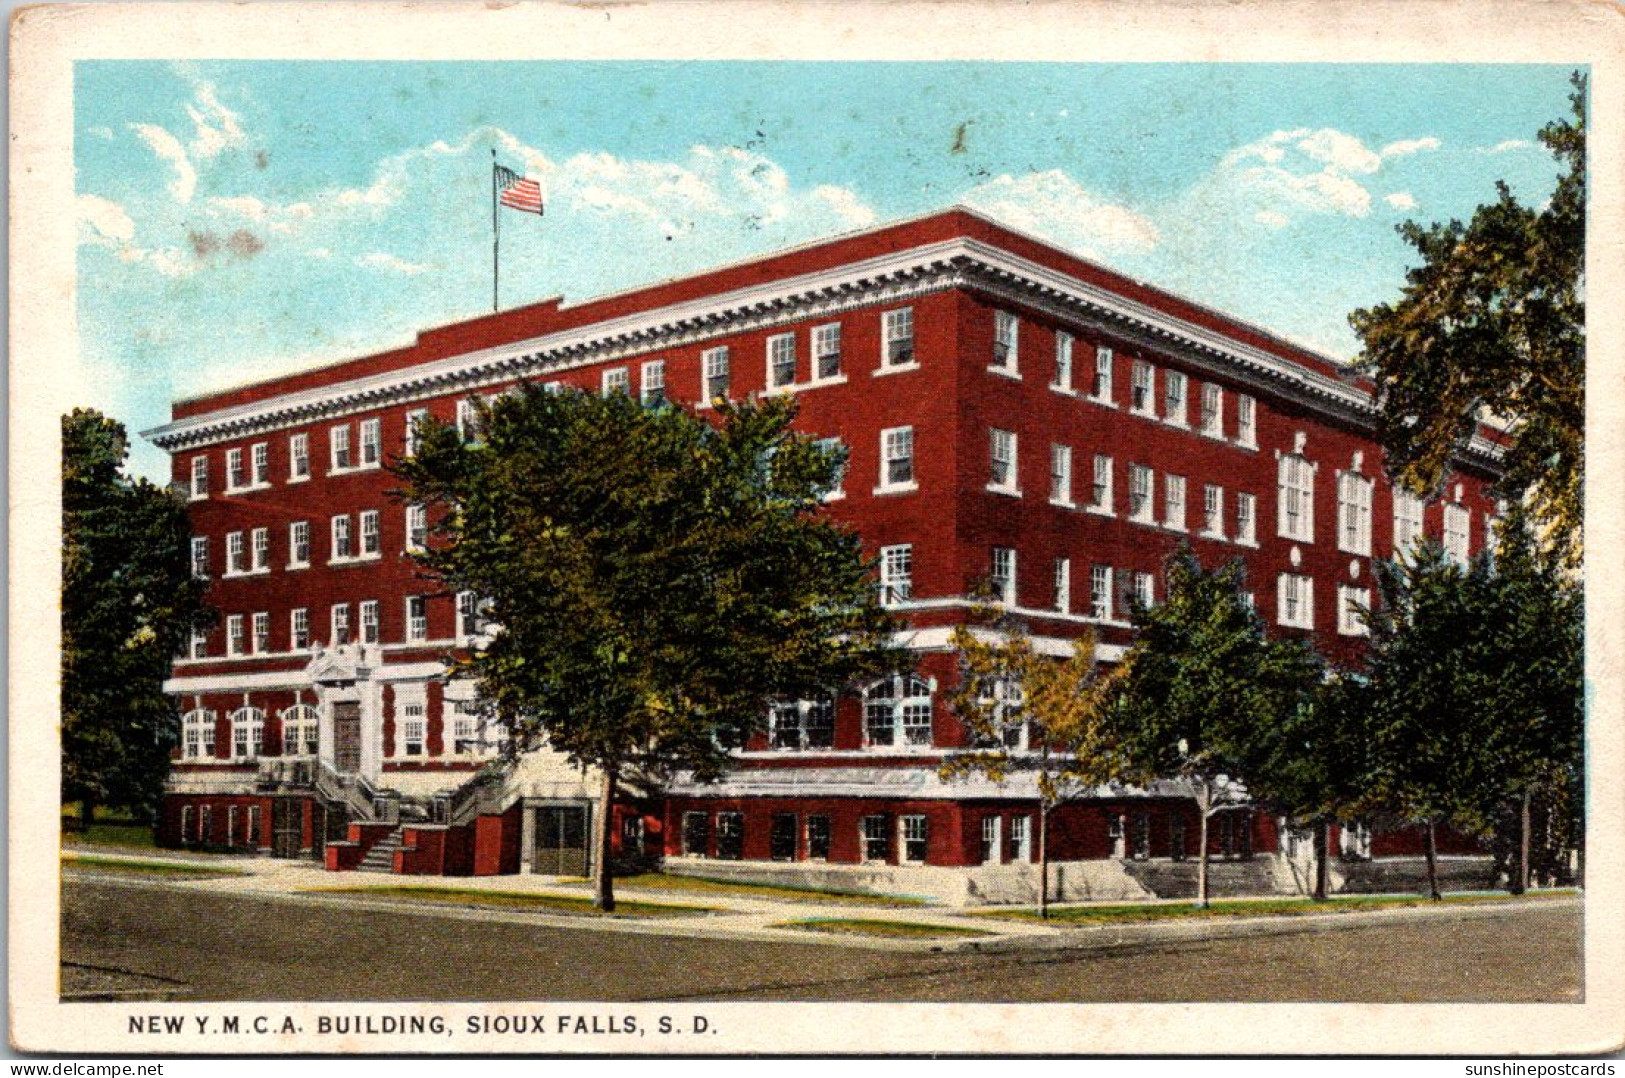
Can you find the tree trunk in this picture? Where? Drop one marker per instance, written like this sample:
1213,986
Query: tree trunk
87,813
1520,880
1201,862
1433,862
1043,859
1323,871
603,880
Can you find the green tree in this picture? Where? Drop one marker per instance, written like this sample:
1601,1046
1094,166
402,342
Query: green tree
1492,323
129,603
1009,695
1200,683
656,581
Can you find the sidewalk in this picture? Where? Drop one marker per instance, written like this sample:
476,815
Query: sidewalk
747,916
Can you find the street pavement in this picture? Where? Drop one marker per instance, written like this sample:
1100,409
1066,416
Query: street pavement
266,936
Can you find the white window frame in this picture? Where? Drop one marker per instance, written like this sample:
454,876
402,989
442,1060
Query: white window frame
371,629
1006,344
1295,601
1213,511
1003,477
339,619
893,440
1063,585
296,529
1146,511
992,840
372,543
259,457
417,528
1295,496
1458,535
1173,503
340,456
1101,593
199,645
835,445
197,735
412,438
260,550
199,488
791,726
236,473
1246,518
1409,518
826,344
913,827
301,726
1063,363
615,380
236,552
298,457
1021,839
1246,421
200,557
1354,497
1176,398
715,368
247,733
1145,589
235,639
1348,619
1212,412
1002,575
897,352
417,619
1060,475
414,729
779,347
652,383
905,701
259,641
299,628
896,573
1143,389
342,539
372,443
1101,496
1100,390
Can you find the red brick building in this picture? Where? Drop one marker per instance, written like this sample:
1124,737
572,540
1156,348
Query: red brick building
1011,412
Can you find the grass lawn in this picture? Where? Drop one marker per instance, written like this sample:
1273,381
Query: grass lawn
860,926
696,885
123,865
512,900
1265,907
127,834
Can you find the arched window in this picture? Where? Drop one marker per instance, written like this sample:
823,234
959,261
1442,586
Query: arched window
247,732
897,712
197,735
299,731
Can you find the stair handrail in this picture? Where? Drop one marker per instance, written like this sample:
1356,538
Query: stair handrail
486,790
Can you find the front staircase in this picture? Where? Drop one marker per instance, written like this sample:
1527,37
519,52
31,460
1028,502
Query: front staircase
381,858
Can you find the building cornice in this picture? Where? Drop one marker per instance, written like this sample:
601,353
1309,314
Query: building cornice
891,278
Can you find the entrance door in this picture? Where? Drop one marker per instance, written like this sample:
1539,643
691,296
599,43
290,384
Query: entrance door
561,841
287,826
347,738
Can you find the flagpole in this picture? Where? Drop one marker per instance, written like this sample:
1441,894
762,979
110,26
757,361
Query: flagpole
496,233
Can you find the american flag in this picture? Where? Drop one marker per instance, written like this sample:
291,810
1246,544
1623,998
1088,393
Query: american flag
517,192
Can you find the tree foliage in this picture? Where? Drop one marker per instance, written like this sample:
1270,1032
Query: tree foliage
1492,322
657,580
129,603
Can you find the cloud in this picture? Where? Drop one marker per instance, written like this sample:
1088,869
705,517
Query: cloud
1508,145
1054,205
1271,218
388,263
103,222
1401,200
1337,150
166,147
1298,171
216,127
1406,147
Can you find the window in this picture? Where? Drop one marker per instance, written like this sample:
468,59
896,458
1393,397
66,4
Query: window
876,835
234,634
1020,842
236,477
1060,474
298,457
1101,390
338,443
802,724
299,544
1140,390
1246,421
1005,328
417,618
417,528
1139,493
1246,519
200,556
1456,523
1350,602
197,733
990,840
299,629
200,644
897,712
652,385
261,456
414,431
465,729
913,831
1100,493
615,380
262,633
468,420
896,573
299,731
1213,511
1354,513
826,345
1145,590
818,838
1063,585
1003,576
341,624
1295,601
715,361
896,459
1100,592
1173,500
781,839
370,440
262,550
200,477
781,361
369,621
1174,399
341,539
1063,361
730,836
234,553
369,533
1002,451
247,732
413,729
1213,410
1296,477
836,448
897,338
1407,520
696,834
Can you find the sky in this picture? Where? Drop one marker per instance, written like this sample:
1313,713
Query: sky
244,219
